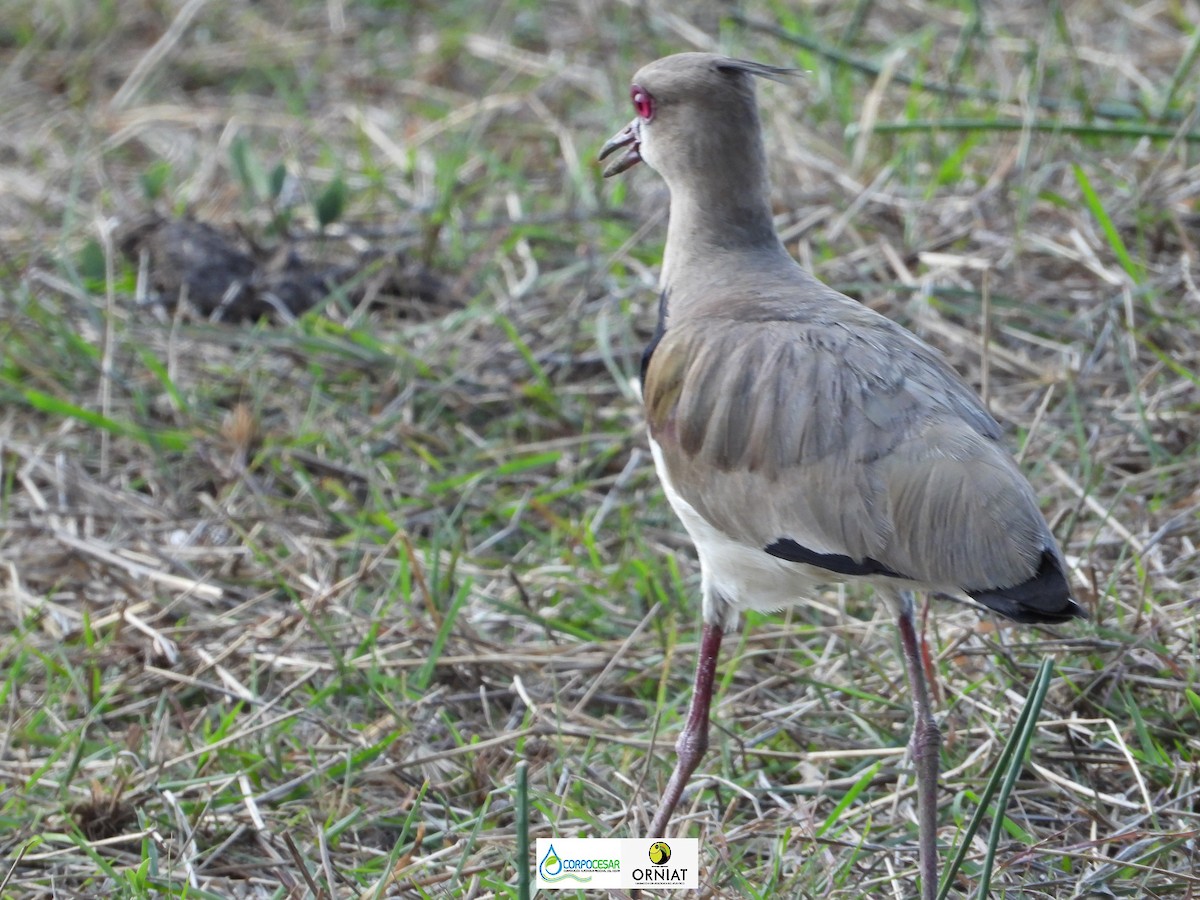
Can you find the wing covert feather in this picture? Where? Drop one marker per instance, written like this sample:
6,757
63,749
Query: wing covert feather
845,437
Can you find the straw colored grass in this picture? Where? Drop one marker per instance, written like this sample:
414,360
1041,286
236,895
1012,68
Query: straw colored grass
284,603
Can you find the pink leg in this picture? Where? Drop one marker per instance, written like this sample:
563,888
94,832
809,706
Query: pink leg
925,744
693,740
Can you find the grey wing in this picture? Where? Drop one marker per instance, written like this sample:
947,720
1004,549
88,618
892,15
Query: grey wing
855,448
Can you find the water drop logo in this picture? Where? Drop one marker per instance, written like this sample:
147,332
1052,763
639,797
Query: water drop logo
551,869
550,865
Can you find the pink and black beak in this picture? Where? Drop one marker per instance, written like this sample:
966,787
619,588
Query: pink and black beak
630,136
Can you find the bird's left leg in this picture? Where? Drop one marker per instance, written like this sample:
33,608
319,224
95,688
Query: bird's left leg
693,740
925,745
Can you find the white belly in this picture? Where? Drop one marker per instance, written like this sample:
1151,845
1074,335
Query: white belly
737,575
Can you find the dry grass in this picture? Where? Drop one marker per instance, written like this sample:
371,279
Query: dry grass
284,604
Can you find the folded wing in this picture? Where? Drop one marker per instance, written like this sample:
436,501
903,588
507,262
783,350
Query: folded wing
866,454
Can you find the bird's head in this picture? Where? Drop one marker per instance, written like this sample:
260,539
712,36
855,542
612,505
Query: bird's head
695,112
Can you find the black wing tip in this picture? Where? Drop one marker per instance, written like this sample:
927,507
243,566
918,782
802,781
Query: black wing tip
1043,599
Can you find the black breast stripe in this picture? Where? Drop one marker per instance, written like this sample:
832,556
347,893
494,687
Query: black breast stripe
659,330
786,548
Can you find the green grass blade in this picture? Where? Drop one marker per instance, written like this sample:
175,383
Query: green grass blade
1007,767
1096,207
1111,109
522,347
1114,130
155,365
421,679
857,788
166,440
1033,706
1182,71
523,891
381,886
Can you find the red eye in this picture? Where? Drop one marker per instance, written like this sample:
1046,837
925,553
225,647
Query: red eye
643,103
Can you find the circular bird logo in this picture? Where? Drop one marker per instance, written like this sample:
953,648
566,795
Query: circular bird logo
660,853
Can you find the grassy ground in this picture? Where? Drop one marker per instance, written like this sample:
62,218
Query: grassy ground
284,604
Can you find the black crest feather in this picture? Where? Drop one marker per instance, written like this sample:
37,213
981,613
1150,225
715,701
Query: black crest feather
775,73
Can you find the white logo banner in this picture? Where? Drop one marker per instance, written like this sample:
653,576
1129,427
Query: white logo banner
601,863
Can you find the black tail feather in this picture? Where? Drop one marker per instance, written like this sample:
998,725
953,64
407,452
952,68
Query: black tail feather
1046,597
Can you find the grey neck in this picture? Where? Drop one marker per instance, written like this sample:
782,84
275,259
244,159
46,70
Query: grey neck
709,229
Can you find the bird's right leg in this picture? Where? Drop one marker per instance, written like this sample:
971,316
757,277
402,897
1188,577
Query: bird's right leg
926,744
693,740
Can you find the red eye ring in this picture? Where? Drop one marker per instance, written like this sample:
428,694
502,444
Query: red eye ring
643,103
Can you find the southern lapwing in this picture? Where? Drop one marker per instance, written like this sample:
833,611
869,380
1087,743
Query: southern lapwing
801,437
